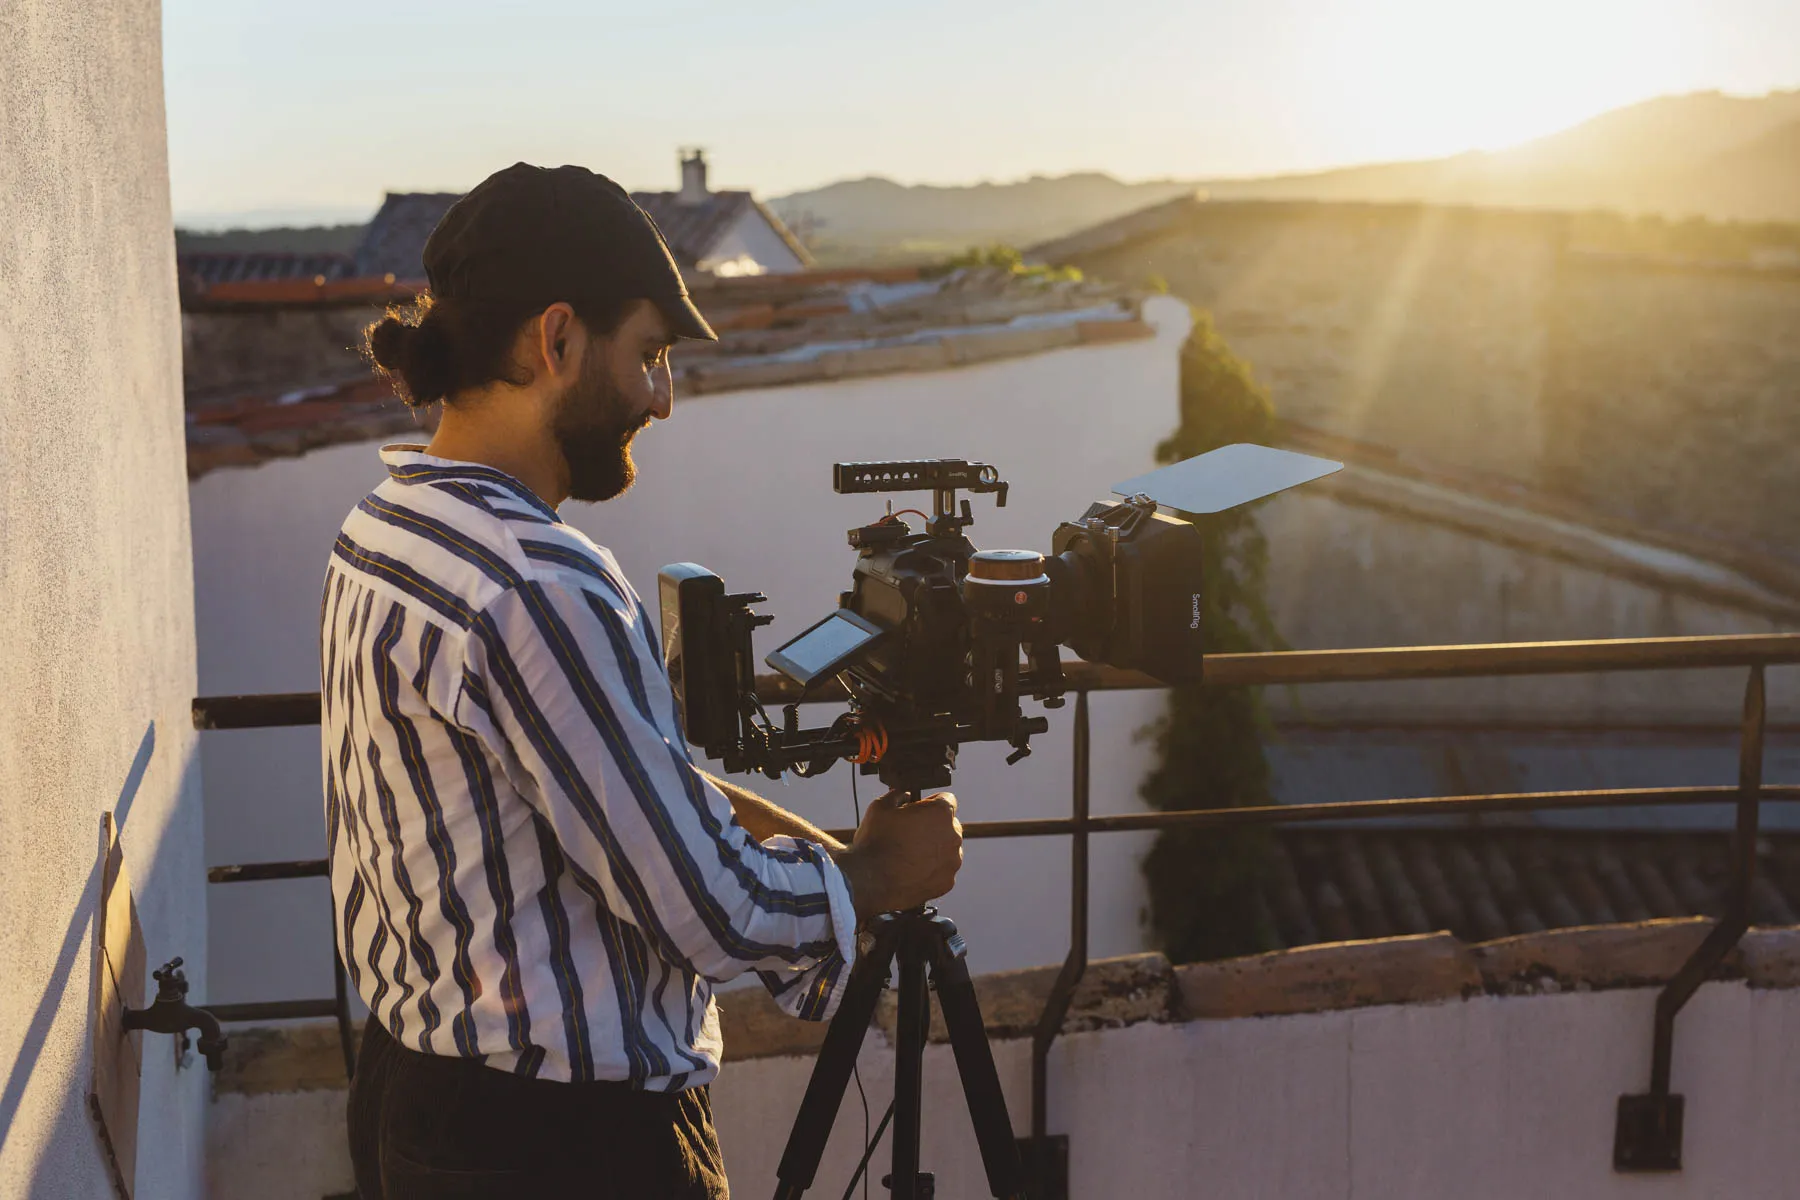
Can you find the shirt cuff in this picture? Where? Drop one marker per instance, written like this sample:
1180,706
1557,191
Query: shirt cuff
832,975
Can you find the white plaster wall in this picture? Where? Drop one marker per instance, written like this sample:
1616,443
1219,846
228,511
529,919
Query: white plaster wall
96,600
278,1146
1486,1098
753,237
742,483
1483,1099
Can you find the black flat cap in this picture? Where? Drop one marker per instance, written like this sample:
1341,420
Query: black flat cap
537,235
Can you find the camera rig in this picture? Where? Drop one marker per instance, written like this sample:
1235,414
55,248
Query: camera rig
937,643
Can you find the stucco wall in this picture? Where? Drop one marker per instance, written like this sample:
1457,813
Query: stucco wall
1494,1097
96,601
740,482
1490,1098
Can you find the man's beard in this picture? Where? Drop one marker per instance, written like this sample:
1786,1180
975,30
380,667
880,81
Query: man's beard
593,428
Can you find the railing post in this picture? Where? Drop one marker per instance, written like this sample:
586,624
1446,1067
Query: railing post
1049,1157
1647,1132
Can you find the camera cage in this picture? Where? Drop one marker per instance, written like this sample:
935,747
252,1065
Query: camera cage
940,641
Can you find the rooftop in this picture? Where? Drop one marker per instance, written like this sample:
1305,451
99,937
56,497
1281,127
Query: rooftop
774,330
393,245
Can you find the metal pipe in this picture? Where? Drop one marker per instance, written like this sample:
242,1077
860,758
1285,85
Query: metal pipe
1505,658
1056,1005
1235,670
1361,810
1268,814
1288,667
273,1010
1736,918
269,711
305,868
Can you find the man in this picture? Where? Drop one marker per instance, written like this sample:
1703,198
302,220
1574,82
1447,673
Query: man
535,887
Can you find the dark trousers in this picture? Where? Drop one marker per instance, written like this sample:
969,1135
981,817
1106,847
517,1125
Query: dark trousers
432,1127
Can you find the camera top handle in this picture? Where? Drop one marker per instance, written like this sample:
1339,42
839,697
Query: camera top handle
939,476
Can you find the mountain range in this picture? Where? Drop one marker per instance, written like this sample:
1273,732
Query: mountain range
1706,154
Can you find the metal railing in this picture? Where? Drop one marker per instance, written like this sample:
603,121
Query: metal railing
1648,1127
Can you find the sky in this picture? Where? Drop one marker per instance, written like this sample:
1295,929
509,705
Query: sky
310,111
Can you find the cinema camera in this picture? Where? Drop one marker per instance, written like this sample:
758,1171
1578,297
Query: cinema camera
936,642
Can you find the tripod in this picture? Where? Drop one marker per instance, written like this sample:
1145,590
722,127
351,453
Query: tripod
923,943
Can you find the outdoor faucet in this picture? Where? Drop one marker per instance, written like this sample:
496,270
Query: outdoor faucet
171,1013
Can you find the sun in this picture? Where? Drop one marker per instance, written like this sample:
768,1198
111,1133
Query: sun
1429,77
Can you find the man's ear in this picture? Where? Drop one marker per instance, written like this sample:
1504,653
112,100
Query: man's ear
556,339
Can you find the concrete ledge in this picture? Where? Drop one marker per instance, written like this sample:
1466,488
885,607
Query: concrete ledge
1403,970
300,1057
1113,992
755,1028
1771,957
1593,957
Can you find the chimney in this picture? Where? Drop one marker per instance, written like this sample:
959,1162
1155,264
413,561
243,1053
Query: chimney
693,178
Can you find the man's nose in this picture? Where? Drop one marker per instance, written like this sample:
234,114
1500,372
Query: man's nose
663,393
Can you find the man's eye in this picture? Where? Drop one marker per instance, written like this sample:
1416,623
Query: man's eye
658,358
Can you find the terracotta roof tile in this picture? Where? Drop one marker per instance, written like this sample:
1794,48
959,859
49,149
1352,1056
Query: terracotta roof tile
1486,883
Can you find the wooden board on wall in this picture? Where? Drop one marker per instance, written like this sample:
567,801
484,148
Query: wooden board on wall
118,1055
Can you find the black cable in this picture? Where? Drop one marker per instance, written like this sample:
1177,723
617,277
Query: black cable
862,1167
856,1071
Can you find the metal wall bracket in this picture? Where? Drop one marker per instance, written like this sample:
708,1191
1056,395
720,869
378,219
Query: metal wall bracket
1046,1166
1648,1134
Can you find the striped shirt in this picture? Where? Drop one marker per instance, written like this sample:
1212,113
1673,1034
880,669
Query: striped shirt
526,864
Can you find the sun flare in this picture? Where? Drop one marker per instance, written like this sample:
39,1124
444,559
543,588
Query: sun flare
1434,77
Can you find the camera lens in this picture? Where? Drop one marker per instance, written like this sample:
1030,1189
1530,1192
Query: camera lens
1006,566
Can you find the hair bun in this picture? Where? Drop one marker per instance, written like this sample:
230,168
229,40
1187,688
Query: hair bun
389,341
413,350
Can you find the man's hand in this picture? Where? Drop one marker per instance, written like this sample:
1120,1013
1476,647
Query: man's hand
903,854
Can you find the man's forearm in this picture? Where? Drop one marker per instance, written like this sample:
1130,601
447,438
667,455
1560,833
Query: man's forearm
763,820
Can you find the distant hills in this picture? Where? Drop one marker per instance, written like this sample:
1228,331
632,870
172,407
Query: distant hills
1728,158
1703,154
879,218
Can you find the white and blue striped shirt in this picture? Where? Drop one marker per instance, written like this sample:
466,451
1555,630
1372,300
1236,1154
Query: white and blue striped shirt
526,864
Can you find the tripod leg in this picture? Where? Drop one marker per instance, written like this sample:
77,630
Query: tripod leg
975,1063
831,1072
912,1027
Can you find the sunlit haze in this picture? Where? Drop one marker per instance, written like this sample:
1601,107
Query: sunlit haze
311,111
